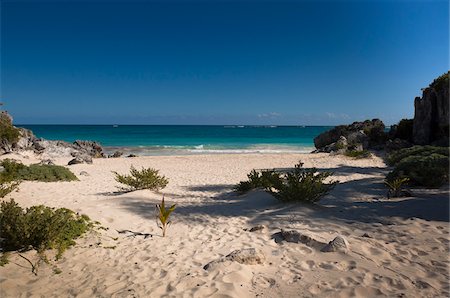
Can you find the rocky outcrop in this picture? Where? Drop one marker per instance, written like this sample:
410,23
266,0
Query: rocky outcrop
431,114
247,256
357,136
13,139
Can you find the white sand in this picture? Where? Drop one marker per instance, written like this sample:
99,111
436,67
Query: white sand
407,256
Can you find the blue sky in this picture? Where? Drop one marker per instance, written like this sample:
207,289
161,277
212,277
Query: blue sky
219,62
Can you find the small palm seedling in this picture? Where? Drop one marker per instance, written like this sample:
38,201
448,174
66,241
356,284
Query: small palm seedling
163,216
396,187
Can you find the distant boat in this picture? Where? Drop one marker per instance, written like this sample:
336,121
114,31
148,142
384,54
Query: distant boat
115,125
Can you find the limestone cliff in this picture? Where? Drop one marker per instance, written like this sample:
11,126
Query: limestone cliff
431,115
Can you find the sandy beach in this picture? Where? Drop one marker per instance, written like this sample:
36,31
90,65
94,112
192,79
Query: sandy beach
397,247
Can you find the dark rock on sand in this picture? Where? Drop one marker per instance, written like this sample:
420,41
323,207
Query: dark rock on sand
116,154
338,244
247,256
82,158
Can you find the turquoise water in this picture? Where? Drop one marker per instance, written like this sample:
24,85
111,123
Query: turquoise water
187,139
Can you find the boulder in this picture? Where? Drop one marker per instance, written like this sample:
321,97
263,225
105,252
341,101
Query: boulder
247,256
368,134
91,148
338,244
116,154
26,140
82,158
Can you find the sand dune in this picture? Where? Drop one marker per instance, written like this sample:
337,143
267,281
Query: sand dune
403,253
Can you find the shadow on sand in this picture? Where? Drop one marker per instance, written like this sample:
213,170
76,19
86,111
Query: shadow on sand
362,200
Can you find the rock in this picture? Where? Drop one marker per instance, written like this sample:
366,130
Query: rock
369,133
365,235
116,154
295,237
431,114
2,169
132,155
47,162
358,141
338,244
81,159
26,140
258,228
84,173
91,148
247,256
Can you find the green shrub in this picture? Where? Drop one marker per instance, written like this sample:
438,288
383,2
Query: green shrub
265,179
7,131
297,185
429,171
396,156
142,179
357,153
40,228
36,172
405,129
441,82
7,186
396,186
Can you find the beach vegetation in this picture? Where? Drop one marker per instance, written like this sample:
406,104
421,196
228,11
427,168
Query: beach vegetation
396,186
265,179
8,132
395,157
426,166
439,83
35,172
39,228
298,184
357,154
404,129
146,178
7,186
163,215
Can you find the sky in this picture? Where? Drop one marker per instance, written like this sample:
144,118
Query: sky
219,62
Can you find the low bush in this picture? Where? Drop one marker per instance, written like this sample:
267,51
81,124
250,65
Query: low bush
404,130
8,132
396,156
265,179
396,187
40,228
300,184
142,179
429,171
47,173
357,153
7,186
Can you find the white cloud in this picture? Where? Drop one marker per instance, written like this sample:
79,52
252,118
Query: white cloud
270,115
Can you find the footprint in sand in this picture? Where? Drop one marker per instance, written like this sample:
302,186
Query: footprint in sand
263,281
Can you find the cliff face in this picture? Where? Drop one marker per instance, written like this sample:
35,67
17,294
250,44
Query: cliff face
431,116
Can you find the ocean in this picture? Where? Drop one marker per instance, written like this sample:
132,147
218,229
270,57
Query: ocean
187,139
